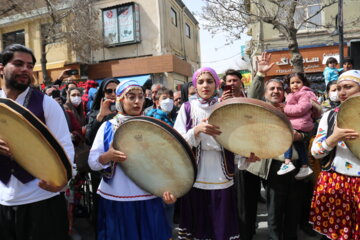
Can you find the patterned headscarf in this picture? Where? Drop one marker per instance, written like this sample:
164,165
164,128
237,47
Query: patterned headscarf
351,75
197,74
208,70
123,88
126,86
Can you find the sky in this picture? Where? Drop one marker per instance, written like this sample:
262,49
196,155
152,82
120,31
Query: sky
214,51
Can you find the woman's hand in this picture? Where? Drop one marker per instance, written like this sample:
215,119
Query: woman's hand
168,198
207,129
104,109
112,155
341,134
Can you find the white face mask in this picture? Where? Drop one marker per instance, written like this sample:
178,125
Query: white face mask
75,101
333,96
167,105
192,97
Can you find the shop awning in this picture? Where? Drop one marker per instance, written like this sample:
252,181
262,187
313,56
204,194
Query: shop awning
52,65
140,79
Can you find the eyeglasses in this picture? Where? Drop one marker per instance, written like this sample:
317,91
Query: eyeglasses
109,91
177,99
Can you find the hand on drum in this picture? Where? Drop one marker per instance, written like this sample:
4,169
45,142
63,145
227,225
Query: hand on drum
49,187
252,158
341,134
207,129
168,198
112,155
4,149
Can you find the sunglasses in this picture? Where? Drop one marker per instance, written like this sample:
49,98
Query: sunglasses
109,91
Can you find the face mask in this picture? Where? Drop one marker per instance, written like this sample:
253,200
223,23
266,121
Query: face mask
333,96
167,105
75,101
192,97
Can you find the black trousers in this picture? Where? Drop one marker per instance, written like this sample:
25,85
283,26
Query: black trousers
283,203
41,220
247,190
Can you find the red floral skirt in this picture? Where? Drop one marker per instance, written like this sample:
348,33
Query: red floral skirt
335,207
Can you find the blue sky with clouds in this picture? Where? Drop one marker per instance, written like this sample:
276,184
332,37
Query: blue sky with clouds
214,51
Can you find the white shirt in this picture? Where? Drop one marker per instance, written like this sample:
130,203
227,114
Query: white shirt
120,187
16,193
210,174
345,162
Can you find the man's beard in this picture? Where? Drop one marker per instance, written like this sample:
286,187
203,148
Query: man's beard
13,84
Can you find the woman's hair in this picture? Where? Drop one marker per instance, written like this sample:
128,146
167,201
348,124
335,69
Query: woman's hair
100,93
331,60
329,85
300,75
77,111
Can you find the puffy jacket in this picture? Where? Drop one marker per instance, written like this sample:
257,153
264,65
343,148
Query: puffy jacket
298,109
331,74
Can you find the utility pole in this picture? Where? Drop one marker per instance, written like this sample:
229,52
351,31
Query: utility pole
341,32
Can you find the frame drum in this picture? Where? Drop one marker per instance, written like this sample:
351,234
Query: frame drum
34,147
250,125
158,158
348,117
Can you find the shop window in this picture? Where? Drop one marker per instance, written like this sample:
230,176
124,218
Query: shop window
187,30
173,15
121,24
13,37
306,9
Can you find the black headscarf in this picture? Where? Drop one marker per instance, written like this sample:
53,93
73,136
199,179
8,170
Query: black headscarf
100,93
185,91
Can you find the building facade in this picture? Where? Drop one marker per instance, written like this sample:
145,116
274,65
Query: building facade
316,42
155,39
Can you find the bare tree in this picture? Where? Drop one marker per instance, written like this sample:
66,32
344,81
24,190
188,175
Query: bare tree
73,23
234,16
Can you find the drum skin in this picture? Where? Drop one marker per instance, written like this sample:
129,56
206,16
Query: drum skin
158,158
33,146
250,125
348,118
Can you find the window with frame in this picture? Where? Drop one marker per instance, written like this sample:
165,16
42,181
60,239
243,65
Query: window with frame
13,37
187,30
306,9
173,16
121,24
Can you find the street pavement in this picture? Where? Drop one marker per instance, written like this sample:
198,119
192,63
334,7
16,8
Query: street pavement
83,230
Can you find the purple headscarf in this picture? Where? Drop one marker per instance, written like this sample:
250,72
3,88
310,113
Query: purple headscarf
205,69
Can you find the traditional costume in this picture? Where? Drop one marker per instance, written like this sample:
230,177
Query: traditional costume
208,211
335,208
125,210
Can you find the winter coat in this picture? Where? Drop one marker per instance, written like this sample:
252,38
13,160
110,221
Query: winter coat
298,109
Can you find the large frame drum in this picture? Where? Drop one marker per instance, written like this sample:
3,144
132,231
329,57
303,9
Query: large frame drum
250,125
158,158
32,145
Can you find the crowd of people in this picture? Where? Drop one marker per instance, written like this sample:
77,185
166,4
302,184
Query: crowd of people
222,204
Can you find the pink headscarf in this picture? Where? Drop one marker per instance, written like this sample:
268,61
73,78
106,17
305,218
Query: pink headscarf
205,69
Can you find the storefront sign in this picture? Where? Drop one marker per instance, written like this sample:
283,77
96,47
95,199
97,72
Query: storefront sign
313,58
